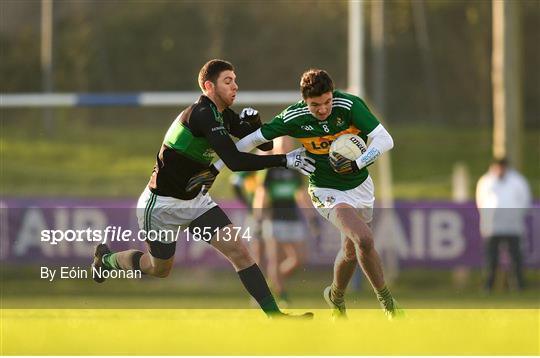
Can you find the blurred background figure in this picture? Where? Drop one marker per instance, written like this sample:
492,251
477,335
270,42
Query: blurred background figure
503,198
276,204
244,185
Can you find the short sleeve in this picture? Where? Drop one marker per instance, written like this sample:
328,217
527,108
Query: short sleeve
362,117
278,127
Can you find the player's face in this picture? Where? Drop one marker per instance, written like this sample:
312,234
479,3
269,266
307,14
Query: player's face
498,170
320,107
226,88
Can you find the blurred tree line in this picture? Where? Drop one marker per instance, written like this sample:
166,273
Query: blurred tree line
126,46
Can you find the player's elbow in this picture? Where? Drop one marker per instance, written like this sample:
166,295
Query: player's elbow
390,142
383,138
387,140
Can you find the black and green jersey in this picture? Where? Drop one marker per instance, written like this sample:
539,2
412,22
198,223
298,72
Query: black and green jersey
349,115
190,143
245,184
281,185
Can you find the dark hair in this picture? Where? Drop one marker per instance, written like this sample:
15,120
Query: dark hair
315,82
503,161
211,71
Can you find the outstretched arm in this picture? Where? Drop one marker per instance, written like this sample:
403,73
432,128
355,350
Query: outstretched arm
218,136
245,145
238,160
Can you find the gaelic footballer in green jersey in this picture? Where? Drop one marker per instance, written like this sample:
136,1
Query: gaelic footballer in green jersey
341,189
169,202
349,114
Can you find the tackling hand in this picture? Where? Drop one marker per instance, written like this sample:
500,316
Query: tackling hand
203,179
342,165
298,160
251,116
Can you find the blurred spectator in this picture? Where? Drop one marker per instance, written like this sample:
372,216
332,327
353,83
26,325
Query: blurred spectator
244,186
276,204
502,198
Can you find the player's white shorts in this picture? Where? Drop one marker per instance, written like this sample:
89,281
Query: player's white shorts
161,214
283,230
362,197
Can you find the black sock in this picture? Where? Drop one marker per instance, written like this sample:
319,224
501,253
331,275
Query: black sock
256,285
136,261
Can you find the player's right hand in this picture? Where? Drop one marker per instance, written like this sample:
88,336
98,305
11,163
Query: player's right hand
298,160
251,116
342,165
203,179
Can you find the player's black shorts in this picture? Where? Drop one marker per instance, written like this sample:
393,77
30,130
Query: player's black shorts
212,220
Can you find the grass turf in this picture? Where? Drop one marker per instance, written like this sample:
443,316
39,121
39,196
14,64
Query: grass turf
199,312
247,332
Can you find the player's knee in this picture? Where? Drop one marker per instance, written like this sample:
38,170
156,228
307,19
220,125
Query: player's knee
361,236
348,251
348,255
366,244
295,262
341,215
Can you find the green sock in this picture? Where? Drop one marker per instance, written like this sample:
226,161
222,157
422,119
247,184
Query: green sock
109,261
385,298
269,305
256,285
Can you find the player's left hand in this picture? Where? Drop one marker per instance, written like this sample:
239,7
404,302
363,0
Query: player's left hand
298,160
342,165
251,116
203,179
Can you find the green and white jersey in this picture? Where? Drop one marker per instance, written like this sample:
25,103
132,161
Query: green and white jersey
349,115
